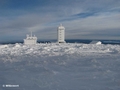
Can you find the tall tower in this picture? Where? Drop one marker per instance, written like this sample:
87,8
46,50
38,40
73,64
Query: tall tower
61,34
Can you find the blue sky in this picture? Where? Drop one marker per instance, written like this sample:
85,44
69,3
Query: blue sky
83,19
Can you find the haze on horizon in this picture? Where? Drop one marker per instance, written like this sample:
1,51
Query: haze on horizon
83,19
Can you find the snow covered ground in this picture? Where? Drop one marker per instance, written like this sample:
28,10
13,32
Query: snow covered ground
52,66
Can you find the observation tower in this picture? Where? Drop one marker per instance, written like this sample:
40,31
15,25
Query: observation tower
61,34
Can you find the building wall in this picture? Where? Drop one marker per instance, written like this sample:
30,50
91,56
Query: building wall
26,41
61,35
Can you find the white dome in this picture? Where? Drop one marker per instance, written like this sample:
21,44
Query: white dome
96,42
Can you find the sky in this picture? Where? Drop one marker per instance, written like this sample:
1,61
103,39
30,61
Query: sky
82,19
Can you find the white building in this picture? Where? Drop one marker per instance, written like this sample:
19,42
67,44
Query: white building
61,34
96,42
30,40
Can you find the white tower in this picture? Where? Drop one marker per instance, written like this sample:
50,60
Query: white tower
61,34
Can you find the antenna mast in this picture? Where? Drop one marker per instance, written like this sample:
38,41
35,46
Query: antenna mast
31,33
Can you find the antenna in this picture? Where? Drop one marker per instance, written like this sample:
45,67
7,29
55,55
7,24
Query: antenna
60,24
31,33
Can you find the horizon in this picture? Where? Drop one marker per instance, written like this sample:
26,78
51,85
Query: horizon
84,41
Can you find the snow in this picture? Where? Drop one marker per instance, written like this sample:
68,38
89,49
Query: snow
96,42
65,66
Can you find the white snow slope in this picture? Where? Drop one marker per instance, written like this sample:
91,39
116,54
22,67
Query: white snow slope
55,66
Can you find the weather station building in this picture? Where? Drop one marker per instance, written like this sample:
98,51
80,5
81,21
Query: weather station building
30,40
61,34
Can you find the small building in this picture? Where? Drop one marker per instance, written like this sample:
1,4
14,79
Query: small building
30,40
96,42
61,34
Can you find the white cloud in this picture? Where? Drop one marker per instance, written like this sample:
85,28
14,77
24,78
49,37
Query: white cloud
97,22
44,20
83,27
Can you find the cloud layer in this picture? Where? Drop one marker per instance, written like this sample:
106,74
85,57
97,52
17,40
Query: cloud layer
83,19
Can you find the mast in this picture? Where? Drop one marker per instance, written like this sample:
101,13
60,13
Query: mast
60,24
31,33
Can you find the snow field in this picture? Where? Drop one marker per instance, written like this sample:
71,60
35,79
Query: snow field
64,66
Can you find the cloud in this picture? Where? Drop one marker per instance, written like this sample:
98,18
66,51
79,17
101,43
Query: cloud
91,26
81,18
